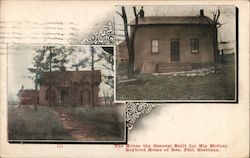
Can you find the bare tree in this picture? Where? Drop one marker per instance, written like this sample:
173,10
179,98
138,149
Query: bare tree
107,54
130,39
216,15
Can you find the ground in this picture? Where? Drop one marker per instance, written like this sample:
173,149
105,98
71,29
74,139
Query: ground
66,123
216,86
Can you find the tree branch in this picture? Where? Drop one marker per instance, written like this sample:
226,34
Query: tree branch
136,16
218,15
119,14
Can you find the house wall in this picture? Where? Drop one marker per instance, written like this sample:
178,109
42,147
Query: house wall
122,53
164,33
74,94
76,97
27,100
42,91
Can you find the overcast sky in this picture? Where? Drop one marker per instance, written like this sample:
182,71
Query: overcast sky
227,18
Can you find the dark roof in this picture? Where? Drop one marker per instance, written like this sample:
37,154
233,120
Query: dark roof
72,76
152,20
27,93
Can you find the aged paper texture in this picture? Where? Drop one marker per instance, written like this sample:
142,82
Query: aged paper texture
159,128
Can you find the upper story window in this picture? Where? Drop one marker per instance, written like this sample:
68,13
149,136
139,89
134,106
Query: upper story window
195,46
155,46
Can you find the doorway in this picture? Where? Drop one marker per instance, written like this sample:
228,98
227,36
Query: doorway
175,50
64,97
85,97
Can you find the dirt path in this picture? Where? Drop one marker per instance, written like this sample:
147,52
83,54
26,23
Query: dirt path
74,127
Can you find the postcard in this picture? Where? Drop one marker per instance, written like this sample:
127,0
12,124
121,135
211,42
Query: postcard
124,79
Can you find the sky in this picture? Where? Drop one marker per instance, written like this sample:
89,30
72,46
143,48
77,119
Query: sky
227,18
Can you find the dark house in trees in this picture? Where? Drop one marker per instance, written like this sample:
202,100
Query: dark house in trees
173,43
70,88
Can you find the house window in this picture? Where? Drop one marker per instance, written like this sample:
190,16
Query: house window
155,46
194,46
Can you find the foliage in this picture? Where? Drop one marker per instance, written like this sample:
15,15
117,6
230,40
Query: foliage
49,58
59,57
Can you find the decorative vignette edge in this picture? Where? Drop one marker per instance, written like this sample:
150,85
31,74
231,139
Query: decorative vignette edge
104,36
134,110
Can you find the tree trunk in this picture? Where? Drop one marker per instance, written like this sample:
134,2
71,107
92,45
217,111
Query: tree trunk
130,41
216,45
36,99
132,48
92,78
50,68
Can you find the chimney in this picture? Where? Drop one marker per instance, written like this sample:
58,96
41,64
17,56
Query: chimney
141,13
201,13
63,68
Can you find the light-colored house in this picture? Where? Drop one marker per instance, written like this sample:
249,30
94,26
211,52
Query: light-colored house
173,43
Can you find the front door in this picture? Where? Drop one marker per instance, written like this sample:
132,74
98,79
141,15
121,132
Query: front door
85,97
175,50
64,97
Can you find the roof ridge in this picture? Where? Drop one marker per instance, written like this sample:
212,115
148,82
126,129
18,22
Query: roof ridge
171,16
173,20
70,71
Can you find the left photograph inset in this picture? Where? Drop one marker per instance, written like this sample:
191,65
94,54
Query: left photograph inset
63,94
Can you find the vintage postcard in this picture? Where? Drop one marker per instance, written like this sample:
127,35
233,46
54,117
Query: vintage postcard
124,79
180,53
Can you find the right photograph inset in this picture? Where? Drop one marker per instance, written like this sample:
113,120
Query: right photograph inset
176,54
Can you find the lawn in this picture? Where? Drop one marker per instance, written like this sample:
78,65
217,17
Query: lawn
107,122
216,86
25,123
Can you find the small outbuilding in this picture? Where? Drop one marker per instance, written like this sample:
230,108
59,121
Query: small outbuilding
27,96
